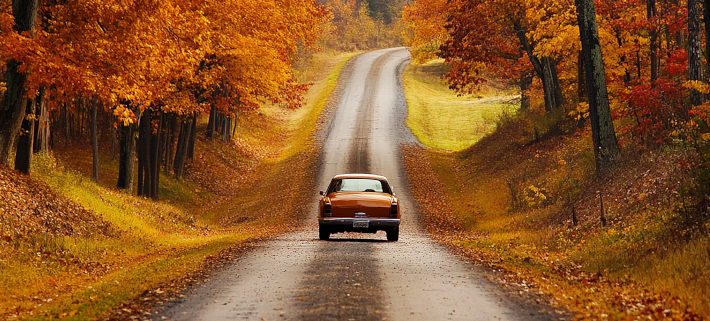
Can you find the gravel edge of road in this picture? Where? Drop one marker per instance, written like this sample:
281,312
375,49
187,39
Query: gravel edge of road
497,275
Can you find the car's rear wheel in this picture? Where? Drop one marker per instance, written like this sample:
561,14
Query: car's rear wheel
323,233
393,234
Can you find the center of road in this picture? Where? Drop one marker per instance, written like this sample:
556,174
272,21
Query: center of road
355,276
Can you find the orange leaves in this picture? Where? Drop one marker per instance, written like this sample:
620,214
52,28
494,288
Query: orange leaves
125,115
252,47
175,53
426,20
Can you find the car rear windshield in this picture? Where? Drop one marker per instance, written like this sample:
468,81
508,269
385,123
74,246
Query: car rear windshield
359,185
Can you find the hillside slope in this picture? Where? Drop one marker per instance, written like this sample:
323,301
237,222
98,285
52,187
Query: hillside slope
532,208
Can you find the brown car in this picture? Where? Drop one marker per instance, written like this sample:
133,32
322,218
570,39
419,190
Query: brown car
358,203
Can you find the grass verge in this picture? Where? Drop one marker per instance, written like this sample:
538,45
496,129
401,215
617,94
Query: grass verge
444,120
114,247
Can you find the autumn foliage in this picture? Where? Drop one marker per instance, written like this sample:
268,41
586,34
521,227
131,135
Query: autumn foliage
648,49
363,25
644,218
644,47
150,69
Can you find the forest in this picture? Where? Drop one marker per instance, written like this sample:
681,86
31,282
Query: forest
99,73
632,69
601,162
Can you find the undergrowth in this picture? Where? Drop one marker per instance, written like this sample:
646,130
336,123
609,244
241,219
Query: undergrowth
101,247
525,199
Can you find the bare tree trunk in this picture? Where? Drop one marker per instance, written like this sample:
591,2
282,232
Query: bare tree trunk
651,14
193,136
181,152
65,118
695,63
557,87
144,150
94,140
163,133
155,153
23,156
706,17
211,123
235,123
114,141
545,68
581,83
525,83
606,147
226,129
170,148
42,128
80,106
127,159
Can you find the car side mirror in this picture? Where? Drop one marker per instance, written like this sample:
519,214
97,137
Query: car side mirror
322,193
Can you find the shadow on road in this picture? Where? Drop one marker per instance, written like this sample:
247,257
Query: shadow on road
357,240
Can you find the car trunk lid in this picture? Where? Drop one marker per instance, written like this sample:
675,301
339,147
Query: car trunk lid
372,204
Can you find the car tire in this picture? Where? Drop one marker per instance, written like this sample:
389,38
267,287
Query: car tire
393,234
323,234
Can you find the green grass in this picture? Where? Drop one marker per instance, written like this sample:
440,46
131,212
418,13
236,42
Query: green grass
441,119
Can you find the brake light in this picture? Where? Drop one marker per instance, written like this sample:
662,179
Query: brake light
327,209
393,209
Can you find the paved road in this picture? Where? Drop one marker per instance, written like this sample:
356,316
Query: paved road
354,276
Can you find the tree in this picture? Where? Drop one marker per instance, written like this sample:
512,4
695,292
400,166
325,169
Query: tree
15,102
94,141
426,19
606,147
152,65
478,34
695,63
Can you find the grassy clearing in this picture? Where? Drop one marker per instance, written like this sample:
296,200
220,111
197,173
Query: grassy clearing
150,244
444,120
645,263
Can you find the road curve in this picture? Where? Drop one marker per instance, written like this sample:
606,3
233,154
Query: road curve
355,276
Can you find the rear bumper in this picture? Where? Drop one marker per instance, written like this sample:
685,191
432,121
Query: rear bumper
345,224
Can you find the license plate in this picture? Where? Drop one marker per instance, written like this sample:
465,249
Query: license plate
361,224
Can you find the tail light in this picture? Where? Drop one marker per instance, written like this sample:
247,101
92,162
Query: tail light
393,210
327,209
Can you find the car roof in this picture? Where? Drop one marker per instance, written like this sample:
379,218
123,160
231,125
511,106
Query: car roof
370,176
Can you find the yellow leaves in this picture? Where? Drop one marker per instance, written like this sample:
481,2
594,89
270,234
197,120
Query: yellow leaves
697,85
535,196
425,20
581,112
125,115
553,25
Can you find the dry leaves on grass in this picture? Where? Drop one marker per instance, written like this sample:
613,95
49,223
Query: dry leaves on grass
542,271
153,301
30,207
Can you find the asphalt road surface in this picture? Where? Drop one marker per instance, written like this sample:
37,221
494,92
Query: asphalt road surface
356,276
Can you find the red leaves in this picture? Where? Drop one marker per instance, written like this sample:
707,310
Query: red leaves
677,63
